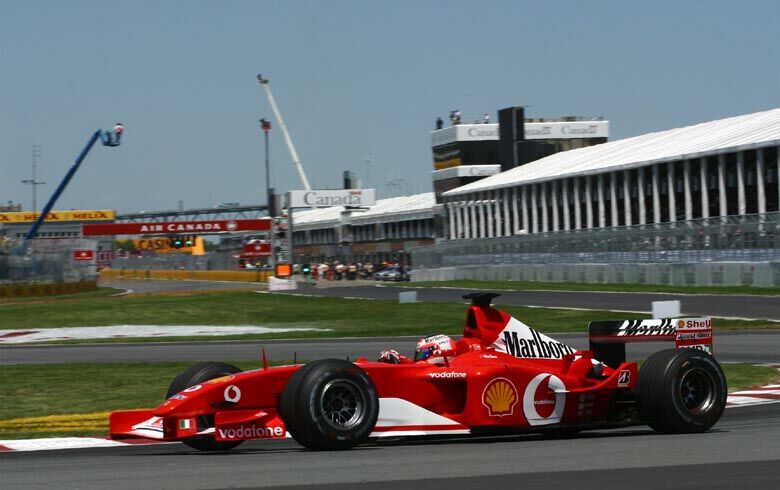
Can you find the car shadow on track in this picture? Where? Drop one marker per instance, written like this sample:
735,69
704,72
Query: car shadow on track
290,447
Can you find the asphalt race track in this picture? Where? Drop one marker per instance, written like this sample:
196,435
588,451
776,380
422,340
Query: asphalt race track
742,451
767,307
736,346
708,305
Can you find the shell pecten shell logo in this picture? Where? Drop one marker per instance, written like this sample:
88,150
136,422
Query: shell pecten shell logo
500,397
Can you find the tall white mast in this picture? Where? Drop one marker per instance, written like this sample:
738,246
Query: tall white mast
294,154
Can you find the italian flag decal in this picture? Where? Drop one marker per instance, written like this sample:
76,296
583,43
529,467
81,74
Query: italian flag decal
184,423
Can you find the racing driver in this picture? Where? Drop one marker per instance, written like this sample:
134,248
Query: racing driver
432,349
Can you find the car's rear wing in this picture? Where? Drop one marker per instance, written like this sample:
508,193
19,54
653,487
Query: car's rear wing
608,339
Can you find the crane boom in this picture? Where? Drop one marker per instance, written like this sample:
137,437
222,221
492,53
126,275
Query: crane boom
294,154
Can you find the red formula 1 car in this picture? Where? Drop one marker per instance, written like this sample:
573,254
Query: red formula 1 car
505,378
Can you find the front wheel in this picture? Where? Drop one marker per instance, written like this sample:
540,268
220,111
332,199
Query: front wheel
681,391
329,405
195,374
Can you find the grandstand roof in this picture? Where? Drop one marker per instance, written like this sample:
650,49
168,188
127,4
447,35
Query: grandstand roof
418,206
734,133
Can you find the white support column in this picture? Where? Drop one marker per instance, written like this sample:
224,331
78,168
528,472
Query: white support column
656,194
473,217
507,220
534,210
565,194
741,204
588,203
451,218
687,186
500,218
602,204
671,195
705,193
515,222
722,189
627,197
554,205
760,180
613,199
490,212
577,204
543,203
640,195
482,217
524,206
498,214
458,221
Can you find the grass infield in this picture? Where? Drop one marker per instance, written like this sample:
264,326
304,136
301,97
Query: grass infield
345,317
51,400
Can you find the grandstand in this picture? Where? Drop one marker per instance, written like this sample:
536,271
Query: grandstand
703,193
386,231
691,205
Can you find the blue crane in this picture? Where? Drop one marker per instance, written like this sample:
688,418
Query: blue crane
108,138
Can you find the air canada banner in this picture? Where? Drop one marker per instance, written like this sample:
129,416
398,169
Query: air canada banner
328,198
176,227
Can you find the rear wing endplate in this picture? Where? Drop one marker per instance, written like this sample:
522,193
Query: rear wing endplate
608,339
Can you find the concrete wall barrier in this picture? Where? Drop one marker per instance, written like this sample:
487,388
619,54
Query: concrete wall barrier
757,274
193,275
45,289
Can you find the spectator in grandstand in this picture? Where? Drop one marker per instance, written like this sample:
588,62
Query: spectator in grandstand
439,123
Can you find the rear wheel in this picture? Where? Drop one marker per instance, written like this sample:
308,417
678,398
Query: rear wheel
681,391
195,374
329,404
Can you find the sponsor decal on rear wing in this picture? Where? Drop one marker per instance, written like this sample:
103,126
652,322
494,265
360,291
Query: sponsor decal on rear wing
608,338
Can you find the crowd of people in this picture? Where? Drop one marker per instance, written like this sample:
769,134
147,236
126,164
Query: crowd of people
351,271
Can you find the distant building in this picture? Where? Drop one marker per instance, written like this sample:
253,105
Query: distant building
465,153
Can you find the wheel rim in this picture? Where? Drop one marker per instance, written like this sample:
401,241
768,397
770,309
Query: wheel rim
342,404
697,391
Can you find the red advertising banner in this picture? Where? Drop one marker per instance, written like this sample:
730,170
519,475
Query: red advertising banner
84,255
176,227
256,250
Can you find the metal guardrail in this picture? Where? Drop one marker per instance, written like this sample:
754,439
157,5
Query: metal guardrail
754,238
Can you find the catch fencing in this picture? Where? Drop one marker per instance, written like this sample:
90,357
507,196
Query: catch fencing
734,250
45,261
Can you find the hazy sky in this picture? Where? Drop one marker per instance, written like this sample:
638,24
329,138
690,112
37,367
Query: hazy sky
353,79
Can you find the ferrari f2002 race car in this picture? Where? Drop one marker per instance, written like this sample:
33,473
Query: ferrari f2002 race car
504,377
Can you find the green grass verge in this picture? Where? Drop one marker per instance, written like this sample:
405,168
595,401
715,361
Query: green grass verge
578,286
345,317
100,292
46,389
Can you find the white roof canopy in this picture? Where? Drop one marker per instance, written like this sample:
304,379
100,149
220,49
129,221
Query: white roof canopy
418,206
734,133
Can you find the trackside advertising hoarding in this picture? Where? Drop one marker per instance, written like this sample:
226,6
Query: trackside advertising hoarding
176,227
328,198
58,216
533,131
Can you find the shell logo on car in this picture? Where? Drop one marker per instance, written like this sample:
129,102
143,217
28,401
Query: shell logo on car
500,397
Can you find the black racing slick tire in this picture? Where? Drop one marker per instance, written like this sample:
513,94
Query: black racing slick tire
195,374
329,404
681,391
